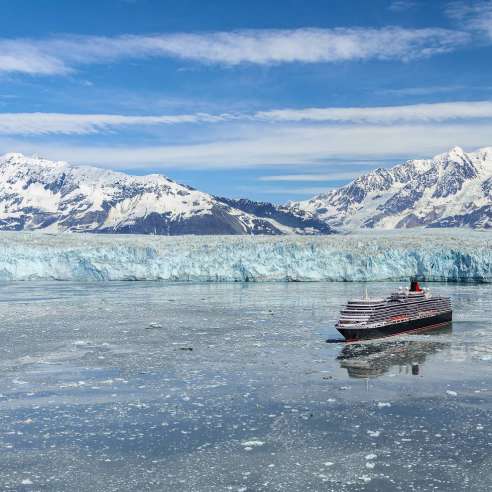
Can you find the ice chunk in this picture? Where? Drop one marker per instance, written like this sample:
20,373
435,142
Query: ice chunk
154,326
253,443
382,404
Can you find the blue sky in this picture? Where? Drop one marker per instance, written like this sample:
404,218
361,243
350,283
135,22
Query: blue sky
273,100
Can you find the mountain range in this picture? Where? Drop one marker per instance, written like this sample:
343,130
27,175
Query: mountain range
37,193
453,189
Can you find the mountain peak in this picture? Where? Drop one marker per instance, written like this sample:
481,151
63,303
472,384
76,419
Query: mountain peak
34,160
12,156
456,150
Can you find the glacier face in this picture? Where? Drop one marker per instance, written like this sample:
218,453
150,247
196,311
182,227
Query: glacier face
441,255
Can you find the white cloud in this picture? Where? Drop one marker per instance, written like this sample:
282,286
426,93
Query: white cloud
402,5
26,57
302,146
308,177
427,90
474,15
80,124
316,190
271,46
384,114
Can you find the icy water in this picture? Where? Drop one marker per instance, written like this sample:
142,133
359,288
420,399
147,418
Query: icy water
211,387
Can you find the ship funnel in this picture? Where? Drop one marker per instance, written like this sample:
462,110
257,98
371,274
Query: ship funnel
414,286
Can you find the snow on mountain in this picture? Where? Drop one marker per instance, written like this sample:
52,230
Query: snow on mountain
37,193
442,255
453,189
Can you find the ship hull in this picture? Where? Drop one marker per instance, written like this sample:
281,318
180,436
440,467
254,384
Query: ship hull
437,321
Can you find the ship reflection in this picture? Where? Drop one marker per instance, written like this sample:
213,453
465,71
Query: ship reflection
371,360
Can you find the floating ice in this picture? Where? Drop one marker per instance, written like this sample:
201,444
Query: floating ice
154,326
253,443
441,255
382,404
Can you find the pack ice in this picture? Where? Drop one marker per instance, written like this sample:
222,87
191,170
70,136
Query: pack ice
442,255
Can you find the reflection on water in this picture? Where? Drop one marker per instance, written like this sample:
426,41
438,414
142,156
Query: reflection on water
373,359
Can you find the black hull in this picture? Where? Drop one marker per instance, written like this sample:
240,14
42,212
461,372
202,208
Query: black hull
421,324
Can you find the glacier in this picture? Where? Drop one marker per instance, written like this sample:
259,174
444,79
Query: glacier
433,255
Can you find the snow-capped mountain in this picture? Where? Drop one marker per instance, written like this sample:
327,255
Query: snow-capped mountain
38,193
453,189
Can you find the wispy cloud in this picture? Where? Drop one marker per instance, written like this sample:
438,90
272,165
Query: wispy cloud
402,5
264,47
474,15
275,146
310,190
384,114
80,124
24,56
308,177
427,90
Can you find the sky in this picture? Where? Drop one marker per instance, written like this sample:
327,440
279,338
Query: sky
273,100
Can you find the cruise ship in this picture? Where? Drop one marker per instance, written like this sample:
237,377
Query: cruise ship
407,310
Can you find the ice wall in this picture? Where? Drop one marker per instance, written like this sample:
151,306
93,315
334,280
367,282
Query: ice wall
436,255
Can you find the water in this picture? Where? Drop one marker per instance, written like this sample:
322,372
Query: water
150,386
